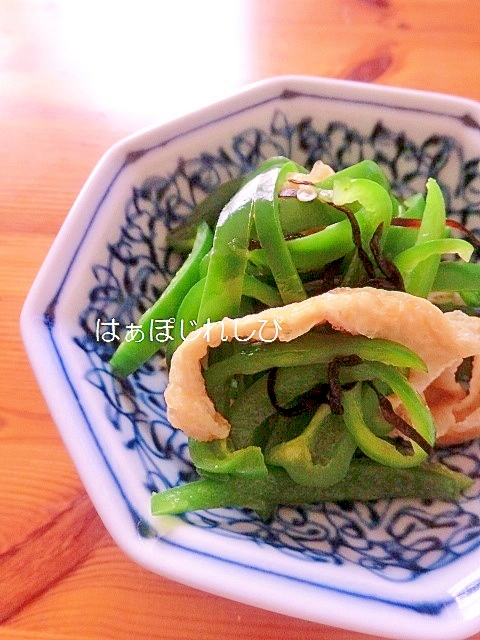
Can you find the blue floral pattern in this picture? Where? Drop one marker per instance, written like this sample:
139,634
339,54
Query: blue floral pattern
397,539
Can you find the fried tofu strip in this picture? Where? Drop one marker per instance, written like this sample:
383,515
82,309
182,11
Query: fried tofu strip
442,340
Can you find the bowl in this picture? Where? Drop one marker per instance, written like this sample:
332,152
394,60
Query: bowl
400,568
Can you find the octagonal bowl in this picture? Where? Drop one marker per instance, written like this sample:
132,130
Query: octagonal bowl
399,568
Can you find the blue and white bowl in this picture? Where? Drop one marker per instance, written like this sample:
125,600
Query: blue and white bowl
401,568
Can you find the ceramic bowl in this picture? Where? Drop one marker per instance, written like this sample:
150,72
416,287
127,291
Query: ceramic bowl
400,569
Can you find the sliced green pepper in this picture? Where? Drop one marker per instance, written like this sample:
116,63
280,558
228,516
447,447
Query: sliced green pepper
376,447
253,287
271,235
186,318
297,216
228,259
315,251
457,276
311,348
208,210
261,291
428,254
320,455
366,480
374,198
217,457
365,169
376,422
181,238
131,354
420,279
253,407
399,238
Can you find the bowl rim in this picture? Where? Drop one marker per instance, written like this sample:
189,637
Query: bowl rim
431,102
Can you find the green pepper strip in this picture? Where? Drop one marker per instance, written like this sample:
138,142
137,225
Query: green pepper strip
271,235
365,169
253,406
182,237
252,286
255,288
131,354
279,428
226,267
375,447
297,216
208,210
226,457
471,300
315,251
457,276
420,279
217,457
376,422
186,318
398,239
410,261
320,455
374,199
203,268
365,480
310,348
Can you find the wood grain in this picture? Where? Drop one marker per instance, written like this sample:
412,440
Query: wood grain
74,78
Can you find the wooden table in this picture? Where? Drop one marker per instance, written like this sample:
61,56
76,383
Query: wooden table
75,76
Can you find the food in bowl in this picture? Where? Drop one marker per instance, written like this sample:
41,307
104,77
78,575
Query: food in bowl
320,341
407,562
